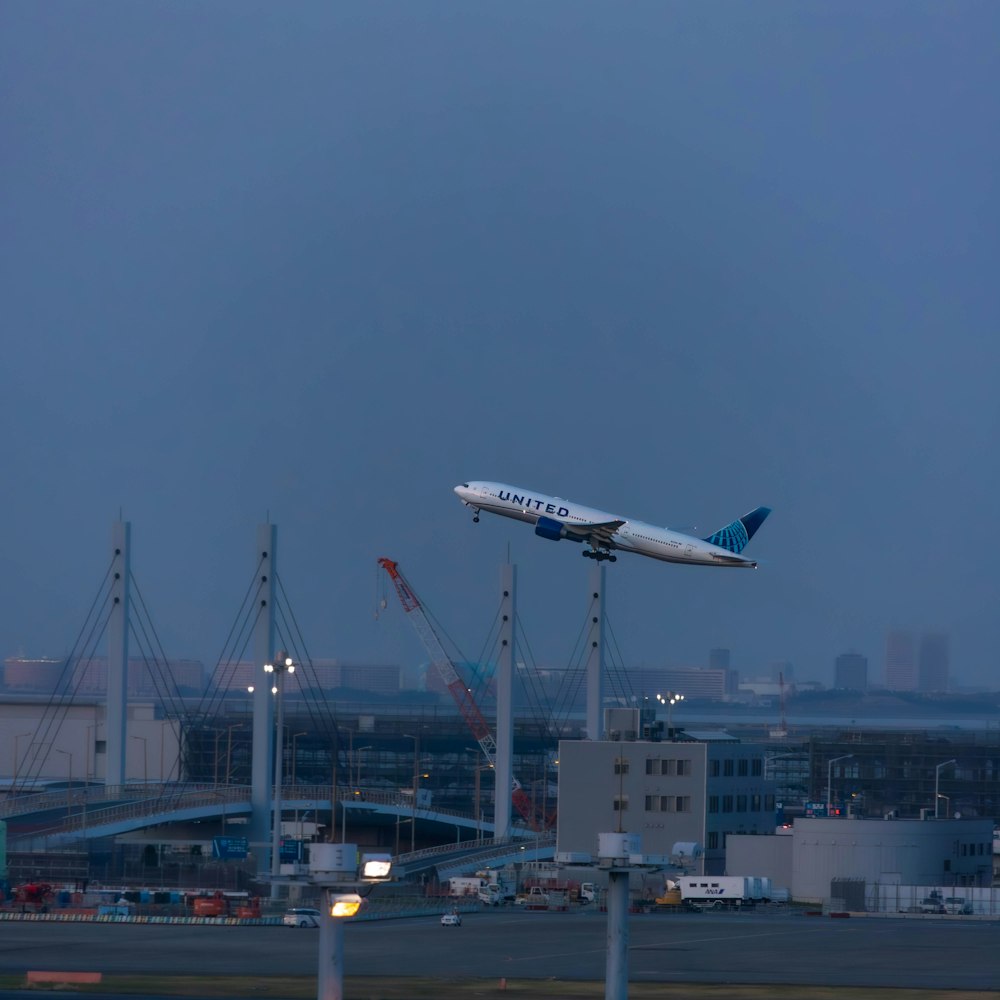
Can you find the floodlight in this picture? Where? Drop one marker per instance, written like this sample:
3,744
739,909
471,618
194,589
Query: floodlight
376,866
344,904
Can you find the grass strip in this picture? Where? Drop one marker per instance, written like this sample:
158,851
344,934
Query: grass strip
406,988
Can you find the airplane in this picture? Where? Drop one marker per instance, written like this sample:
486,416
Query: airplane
555,519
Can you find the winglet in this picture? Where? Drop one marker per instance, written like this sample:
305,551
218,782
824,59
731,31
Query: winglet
734,537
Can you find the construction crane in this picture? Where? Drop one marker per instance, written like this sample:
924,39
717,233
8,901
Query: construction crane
461,693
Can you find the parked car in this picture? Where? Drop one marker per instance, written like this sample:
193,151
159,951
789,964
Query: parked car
301,916
957,904
451,920
931,904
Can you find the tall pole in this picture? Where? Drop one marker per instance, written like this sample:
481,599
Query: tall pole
263,702
595,655
331,949
937,782
616,971
503,785
829,780
416,788
118,626
279,675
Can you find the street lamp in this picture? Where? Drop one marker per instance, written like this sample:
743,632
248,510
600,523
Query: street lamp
829,778
937,780
17,739
670,699
416,786
335,870
282,665
479,768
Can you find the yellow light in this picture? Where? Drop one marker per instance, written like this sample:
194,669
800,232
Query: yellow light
345,905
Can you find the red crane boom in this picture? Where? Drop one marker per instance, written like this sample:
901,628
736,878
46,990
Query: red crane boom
461,693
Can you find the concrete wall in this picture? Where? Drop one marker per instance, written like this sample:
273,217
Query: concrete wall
770,856
913,852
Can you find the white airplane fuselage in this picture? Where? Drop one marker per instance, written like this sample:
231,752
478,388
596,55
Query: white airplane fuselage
616,532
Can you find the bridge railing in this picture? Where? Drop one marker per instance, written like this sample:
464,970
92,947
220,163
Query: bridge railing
86,808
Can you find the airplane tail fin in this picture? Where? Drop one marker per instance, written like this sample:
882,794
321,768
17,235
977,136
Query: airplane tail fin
734,537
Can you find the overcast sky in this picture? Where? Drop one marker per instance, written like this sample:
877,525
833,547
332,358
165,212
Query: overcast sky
320,262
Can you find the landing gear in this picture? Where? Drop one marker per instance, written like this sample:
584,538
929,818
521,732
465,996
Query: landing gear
599,555
475,518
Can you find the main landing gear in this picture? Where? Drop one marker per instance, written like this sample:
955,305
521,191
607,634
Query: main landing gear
599,555
475,516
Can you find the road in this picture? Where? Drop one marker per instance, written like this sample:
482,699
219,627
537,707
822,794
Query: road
752,948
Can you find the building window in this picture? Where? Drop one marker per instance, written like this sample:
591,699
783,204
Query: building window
743,767
758,767
755,803
727,768
713,803
713,841
683,804
769,803
620,803
683,768
727,803
713,768
651,803
652,765
741,803
621,765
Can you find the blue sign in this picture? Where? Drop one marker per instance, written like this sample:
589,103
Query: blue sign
229,847
290,851
816,809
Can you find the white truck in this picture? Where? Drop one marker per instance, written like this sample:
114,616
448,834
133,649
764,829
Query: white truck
720,892
495,893
471,886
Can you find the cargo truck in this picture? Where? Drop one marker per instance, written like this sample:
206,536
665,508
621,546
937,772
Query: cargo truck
719,892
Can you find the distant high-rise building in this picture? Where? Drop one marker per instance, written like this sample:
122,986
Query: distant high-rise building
932,662
850,671
900,661
718,659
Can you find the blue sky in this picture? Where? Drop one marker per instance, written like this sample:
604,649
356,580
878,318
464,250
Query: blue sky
321,262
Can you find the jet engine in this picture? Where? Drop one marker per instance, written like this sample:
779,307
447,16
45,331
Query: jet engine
550,528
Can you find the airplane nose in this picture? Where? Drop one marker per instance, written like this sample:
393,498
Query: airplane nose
461,490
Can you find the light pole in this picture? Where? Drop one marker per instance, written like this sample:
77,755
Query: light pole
670,699
937,781
282,665
145,761
416,787
947,799
829,779
479,768
295,794
17,739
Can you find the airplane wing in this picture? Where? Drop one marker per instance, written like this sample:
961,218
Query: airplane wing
598,533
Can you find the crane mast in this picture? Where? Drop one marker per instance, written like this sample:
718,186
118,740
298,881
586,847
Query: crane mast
460,692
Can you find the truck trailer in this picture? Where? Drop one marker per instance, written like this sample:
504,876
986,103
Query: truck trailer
720,892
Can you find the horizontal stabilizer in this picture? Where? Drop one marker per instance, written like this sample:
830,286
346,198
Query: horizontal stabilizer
734,537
